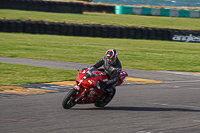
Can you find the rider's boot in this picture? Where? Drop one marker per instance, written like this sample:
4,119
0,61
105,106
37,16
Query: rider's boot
109,90
109,93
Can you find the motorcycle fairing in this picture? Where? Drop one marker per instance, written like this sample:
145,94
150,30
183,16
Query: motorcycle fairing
86,84
122,77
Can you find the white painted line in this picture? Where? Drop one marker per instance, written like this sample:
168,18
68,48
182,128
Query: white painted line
188,81
183,106
181,73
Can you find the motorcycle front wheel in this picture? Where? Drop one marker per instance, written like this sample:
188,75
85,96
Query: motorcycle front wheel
69,99
106,100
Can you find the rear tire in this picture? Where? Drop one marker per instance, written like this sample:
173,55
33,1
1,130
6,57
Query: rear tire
69,100
103,103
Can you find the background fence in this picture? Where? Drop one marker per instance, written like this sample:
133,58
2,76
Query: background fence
74,7
157,11
52,6
104,31
39,5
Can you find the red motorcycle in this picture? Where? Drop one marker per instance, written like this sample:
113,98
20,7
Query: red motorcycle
88,90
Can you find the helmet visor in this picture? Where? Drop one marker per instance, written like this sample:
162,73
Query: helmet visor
111,61
110,57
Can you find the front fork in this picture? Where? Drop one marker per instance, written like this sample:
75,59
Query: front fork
84,93
81,96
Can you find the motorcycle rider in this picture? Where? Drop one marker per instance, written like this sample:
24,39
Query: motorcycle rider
112,67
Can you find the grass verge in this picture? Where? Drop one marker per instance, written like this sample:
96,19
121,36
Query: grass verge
15,74
137,54
105,19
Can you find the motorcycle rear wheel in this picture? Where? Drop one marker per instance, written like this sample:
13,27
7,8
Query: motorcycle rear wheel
103,103
69,99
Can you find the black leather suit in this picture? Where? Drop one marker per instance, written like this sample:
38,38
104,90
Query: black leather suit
112,70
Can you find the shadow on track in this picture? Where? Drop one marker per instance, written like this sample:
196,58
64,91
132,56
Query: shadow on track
139,109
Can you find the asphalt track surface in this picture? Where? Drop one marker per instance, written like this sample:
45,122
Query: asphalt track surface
169,107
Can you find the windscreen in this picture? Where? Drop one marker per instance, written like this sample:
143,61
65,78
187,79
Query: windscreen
90,73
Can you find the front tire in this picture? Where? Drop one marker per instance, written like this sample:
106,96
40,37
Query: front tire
69,99
105,101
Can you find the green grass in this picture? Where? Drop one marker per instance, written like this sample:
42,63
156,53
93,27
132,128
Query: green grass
106,19
137,54
14,74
